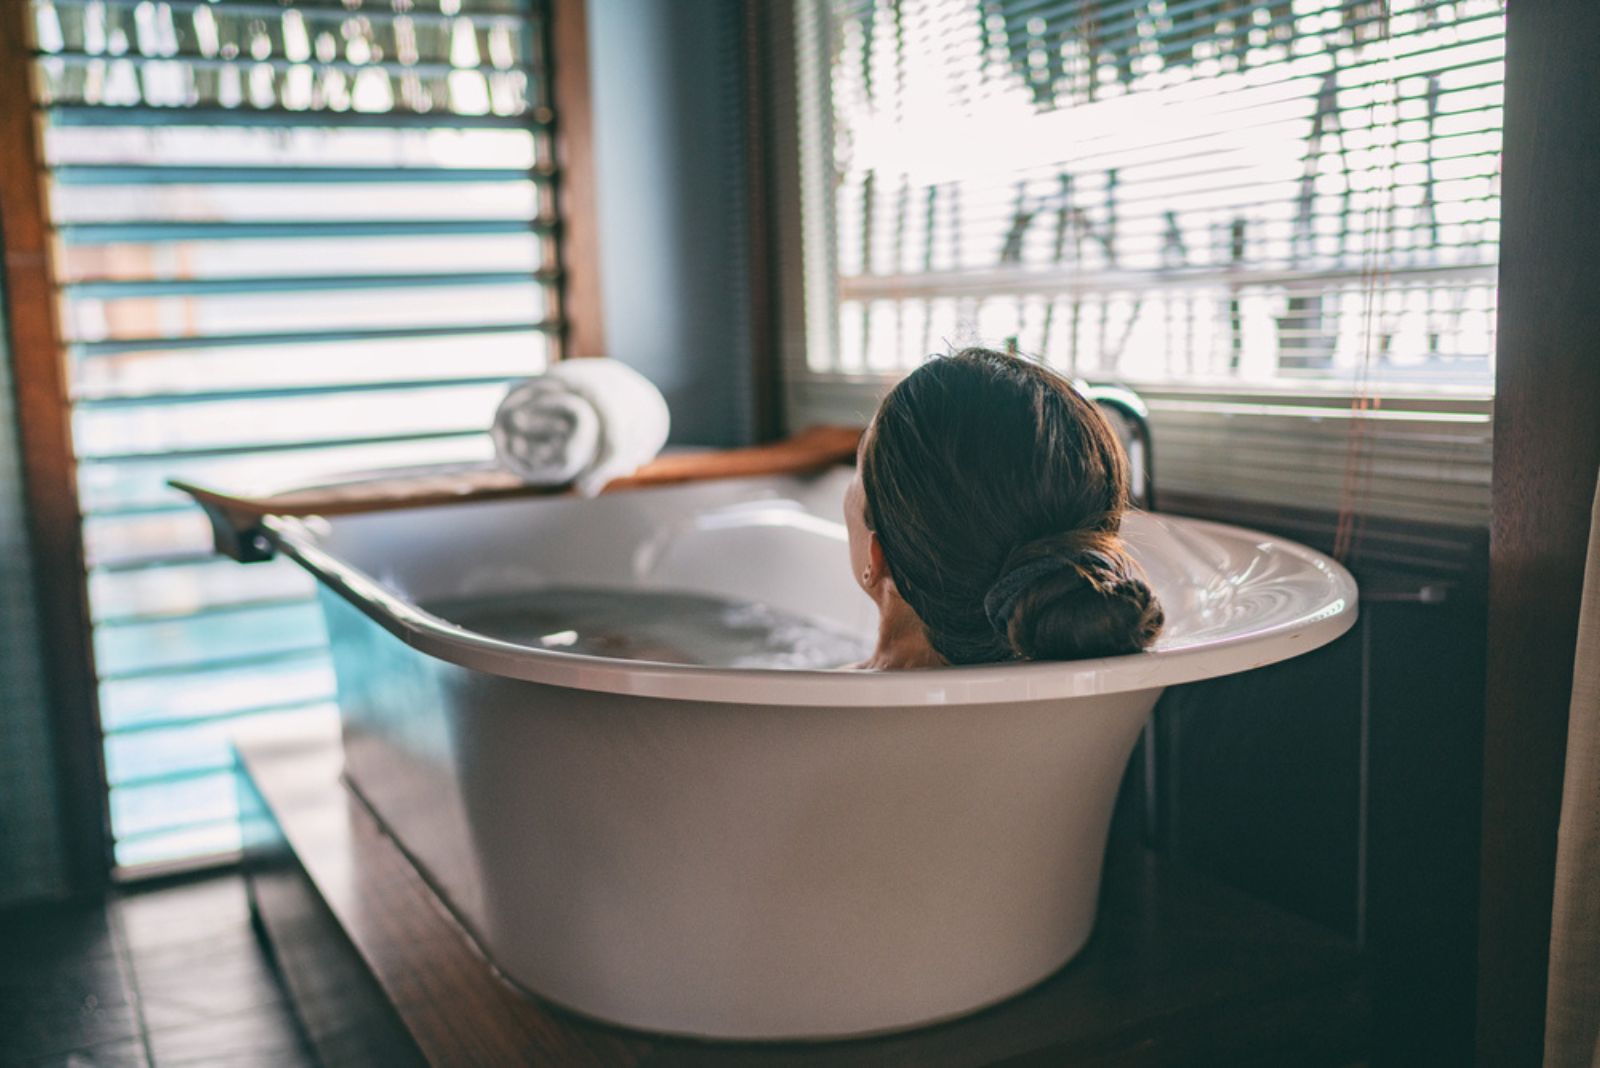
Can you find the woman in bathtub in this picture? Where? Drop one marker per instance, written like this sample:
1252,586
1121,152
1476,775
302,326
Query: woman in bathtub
984,521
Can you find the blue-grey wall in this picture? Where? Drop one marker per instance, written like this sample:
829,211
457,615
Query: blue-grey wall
31,861
668,83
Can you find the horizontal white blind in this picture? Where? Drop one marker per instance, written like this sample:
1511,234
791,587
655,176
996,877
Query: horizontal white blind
1288,197
293,238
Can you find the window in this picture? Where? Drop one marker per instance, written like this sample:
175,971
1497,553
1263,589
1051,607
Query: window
292,239
1277,219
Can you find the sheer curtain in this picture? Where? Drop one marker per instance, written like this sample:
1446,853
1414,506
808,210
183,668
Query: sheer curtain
1572,1022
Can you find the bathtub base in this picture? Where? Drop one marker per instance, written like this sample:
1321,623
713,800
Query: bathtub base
1179,970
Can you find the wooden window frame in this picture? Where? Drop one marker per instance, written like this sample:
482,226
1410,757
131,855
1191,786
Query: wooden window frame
582,308
1546,454
44,428
49,465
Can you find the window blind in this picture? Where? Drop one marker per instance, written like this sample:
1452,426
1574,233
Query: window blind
1276,218
293,238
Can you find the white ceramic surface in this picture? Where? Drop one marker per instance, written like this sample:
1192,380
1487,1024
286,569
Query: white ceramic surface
757,854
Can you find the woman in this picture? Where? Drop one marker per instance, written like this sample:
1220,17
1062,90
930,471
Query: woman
983,521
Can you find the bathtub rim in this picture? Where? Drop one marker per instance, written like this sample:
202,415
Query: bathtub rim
967,685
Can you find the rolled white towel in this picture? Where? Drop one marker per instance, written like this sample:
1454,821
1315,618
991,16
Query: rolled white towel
584,421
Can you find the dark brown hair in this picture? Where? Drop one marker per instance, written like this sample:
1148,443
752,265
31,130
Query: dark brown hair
997,491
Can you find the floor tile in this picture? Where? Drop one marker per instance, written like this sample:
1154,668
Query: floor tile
174,973
46,937
266,1038
202,983
124,1053
236,942
183,914
65,1008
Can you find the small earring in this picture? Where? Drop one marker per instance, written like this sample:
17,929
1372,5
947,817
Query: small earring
866,577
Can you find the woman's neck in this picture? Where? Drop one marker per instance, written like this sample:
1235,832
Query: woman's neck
902,639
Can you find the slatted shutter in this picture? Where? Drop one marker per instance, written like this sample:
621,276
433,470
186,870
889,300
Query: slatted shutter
294,237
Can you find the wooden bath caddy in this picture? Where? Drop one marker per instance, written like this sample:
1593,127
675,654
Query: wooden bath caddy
236,515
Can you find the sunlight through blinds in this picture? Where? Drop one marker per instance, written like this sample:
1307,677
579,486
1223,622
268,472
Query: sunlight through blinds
1252,210
292,239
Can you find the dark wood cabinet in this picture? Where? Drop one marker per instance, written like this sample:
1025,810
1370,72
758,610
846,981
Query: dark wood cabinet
1345,786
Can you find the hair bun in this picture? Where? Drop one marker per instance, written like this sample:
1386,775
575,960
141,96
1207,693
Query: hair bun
1071,596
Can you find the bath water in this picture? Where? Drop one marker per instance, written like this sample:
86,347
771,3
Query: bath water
675,628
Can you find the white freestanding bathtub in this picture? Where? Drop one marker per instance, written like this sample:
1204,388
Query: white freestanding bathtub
756,853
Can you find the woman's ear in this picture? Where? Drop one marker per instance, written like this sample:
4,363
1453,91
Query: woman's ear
877,568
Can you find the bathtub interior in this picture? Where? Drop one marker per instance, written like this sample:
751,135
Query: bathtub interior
781,541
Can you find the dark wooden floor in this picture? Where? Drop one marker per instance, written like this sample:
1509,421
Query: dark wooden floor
167,976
